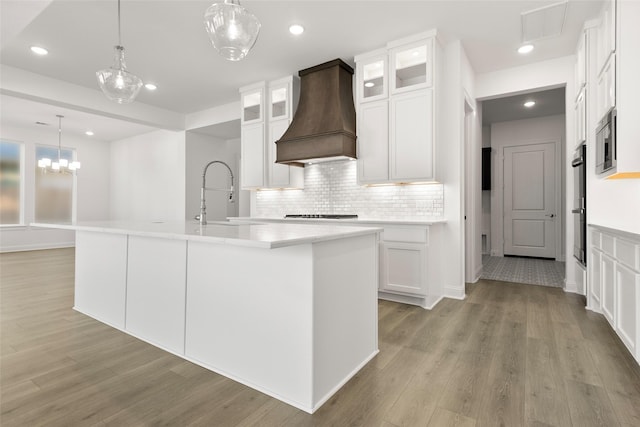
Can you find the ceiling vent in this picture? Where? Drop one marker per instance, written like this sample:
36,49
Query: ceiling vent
544,22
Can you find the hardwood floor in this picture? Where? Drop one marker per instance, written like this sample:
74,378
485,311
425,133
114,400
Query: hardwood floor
510,355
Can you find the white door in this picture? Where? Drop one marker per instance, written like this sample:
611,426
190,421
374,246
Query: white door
530,200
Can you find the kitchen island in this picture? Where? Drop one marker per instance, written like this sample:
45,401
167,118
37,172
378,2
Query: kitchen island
287,309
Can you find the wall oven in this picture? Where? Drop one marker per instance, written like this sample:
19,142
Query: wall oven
580,205
606,142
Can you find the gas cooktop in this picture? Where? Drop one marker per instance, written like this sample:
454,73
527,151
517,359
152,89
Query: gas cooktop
321,216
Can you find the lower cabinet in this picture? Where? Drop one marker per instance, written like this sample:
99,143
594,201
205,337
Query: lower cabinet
403,267
628,304
607,266
614,276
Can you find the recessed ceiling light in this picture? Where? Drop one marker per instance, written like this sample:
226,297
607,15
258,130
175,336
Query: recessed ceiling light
296,29
529,104
525,48
369,84
150,86
88,133
39,50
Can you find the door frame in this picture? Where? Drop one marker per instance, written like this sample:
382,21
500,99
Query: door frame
558,196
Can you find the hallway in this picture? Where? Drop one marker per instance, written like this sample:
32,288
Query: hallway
532,271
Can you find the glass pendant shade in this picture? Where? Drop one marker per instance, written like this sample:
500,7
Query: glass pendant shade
232,29
116,82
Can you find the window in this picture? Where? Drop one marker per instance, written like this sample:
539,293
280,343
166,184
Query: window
10,183
53,190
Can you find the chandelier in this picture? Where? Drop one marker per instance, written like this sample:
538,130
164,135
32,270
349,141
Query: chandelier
233,30
60,165
117,83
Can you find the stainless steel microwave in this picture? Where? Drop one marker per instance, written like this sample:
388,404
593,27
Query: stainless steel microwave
606,143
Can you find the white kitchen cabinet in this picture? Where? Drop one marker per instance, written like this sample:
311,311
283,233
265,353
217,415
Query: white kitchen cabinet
372,76
581,118
628,303
607,267
606,98
373,142
252,154
260,131
606,34
411,65
404,268
627,88
252,103
614,275
400,146
595,287
411,148
581,64
156,288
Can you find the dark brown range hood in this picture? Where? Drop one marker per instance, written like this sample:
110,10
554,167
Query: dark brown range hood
324,125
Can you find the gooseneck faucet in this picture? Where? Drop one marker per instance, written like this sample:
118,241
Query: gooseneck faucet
203,205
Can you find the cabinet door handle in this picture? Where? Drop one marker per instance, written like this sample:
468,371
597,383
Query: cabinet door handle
550,215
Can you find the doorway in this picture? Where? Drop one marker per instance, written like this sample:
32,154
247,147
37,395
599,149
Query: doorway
522,206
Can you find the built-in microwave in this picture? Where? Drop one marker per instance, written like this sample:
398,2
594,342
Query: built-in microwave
606,143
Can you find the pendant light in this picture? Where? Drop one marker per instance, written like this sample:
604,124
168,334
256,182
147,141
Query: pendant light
59,165
117,83
233,30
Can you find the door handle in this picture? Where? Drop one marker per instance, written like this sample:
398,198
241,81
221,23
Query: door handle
550,215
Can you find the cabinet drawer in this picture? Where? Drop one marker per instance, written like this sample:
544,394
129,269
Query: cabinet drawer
608,244
628,253
408,234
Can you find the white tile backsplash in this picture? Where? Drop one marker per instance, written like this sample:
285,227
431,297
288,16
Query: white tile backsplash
332,188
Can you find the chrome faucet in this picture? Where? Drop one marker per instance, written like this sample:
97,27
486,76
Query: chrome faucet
203,205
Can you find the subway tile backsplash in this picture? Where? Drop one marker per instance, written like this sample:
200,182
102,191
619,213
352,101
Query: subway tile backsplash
332,188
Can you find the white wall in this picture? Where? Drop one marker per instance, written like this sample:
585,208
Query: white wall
521,132
92,186
456,85
148,177
200,150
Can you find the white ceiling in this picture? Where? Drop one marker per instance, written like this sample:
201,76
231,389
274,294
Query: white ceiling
166,42
548,102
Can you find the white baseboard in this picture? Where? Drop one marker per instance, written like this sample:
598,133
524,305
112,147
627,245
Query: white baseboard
455,293
37,247
571,287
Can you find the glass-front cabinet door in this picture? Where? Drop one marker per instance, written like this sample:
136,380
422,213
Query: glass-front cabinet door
412,66
279,101
252,105
372,78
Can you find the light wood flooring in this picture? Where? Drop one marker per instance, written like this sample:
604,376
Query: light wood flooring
509,355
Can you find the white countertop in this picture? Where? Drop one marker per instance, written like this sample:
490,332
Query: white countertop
254,234
347,221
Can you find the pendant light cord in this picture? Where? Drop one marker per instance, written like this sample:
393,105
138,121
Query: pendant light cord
119,37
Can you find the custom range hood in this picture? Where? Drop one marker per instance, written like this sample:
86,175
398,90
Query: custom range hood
324,125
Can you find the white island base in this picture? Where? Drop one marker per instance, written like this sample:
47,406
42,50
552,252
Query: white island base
295,322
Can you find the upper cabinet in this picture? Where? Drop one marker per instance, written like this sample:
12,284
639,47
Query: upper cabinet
372,76
411,65
581,64
261,129
252,103
396,98
626,87
606,39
